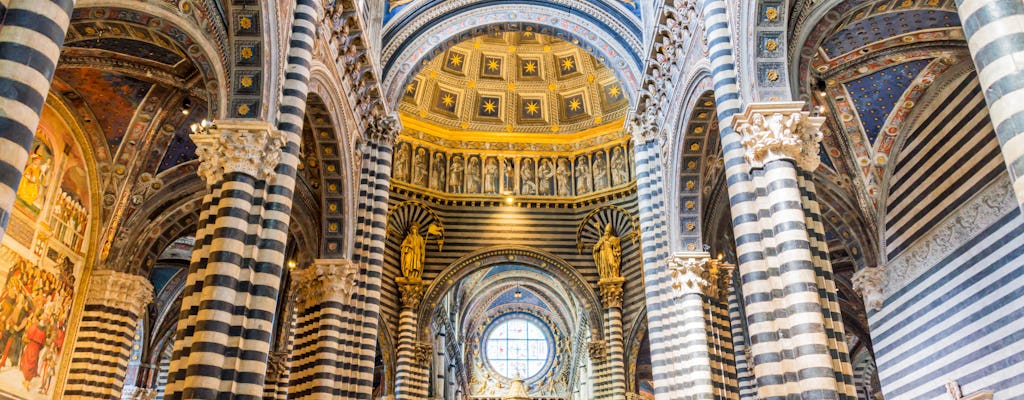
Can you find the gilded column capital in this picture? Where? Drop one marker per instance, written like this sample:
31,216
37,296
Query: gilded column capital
120,290
698,273
598,350
325,278
225,146
777,131
869,282
424,353
611,292
411,292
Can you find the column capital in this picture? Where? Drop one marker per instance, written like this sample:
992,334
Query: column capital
779,131
325,278
423,352
411,292
698,273
598,350
646,126
611,292
383,129
225,146
120,290
869,283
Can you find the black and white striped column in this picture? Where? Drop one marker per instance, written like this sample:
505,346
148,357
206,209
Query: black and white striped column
995,37
30,40
410,370
114,303
693,276
611,299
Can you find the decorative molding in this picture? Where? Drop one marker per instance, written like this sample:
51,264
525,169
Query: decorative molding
249,147
325,279
980,212
778,131
120,290
868,282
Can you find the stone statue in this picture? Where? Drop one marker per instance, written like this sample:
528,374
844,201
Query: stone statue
455,175
491,176
545,173
528,186
620,173
563,176
414,249
510,176
437,174
582,176
401,160
607,254
600,172
419,168
473,176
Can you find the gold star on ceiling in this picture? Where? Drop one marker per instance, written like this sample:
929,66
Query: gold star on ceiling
489,106
492,65
410,88
455,60
530,67
532,107
614,91
574,104
567,64
448,100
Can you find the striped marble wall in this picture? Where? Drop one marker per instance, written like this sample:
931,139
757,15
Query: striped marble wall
954,288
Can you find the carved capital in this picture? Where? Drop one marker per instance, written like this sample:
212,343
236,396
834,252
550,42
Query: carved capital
277,363
133,392
598,350
249,147
411,292
645,126
698,273
611,292
424,353
869,282
777,131
120,290
325,279
383,130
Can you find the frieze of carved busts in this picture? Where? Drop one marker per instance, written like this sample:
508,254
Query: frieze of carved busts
119,290
776,131
226,146
869,282
333,279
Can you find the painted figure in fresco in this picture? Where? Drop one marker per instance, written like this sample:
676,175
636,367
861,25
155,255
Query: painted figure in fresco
419,168
545,173
563,175
510,176
620,174
437,177
32,185
455,175
528,186
401,158
608,254
473,176
491,176
414,250
582,175
600,172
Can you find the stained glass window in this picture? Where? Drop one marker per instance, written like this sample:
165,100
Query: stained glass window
517,345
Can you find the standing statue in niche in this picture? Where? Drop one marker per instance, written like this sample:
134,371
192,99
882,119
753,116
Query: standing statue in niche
608,254
414,249
545,173
582,176
455,175
563,175
510,176
401,159
620,174
473,176
419,168
491,176
437,176
600,172
528,186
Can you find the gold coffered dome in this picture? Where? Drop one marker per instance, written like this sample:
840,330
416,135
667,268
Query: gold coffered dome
518,84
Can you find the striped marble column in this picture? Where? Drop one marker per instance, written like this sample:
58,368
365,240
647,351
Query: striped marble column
611,299
114,303
694,276
744,377
410,371
322,291
30,40
995,37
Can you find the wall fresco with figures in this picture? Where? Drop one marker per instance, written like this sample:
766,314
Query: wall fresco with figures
481,173
41,261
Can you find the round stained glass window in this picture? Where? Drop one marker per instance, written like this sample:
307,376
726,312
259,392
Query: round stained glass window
517,346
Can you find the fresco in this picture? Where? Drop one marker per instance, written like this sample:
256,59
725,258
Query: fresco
41,264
